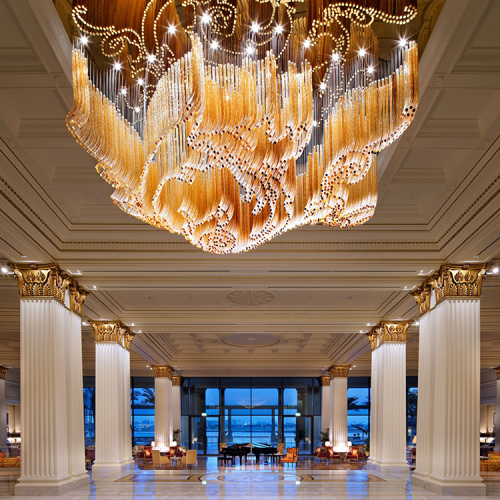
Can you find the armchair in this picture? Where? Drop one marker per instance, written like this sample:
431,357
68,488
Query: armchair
353,454
158,459
190,457
290,457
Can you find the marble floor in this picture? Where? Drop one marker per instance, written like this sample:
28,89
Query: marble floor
250,481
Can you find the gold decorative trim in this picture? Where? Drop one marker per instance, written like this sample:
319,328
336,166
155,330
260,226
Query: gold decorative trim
497,371
423,297
77,296
325,380
3,371
41,280
393,331
162,371
107,331
176,380
373,337
339,371
127,336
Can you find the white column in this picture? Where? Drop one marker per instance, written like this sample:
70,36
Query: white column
388,400
112,386
176,406
375,384
425,413
497,413
450,459
3,411
45,376
163,409
74,386
325,403
338,395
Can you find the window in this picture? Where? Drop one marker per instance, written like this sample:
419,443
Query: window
358,410
143,410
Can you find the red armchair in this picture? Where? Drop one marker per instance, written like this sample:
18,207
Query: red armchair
354,454
291,456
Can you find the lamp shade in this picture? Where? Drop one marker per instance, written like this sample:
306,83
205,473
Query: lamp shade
173,443
327,443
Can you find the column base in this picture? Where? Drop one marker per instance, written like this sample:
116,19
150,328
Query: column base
389,467
49,487
453,487
107,468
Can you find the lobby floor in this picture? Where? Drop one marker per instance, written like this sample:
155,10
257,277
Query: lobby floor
251,481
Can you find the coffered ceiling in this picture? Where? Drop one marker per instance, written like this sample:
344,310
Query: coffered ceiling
297,304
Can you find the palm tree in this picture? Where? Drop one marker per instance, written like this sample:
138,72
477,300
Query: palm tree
148,395
352,403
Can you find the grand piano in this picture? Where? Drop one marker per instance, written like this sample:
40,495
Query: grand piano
243,450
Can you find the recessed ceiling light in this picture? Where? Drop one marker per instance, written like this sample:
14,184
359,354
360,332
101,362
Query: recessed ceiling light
495,270
349,298
94,287
150,297
5,270
417,323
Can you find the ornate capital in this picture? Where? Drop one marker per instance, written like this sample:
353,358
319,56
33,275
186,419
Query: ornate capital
3,371
423,297
458,280
77,296
393,331
373,337
176,380
325,380
107,331
497,371
45,280
127,336
163,371
339,371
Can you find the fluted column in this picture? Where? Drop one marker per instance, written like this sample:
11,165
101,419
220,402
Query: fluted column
46,374
163,407
338,395
112,386
325,403
3,411
497,412
74,386
176,406
388,410
452,460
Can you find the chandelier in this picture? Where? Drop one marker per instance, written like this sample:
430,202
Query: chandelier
232,121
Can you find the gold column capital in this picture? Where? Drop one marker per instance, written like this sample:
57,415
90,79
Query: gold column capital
3,371
423,297
325,380
77,296
107,331
162,371
127,336
176,380
497,371
41,280
393,331
339,371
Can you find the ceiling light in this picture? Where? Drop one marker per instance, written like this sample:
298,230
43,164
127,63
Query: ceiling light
140,82
214,45
123,91
417,323
5,270
117,66
315,124
362,52
171,29
84,40
322,86
402,42
495,270
84,323
132,324
137,109
94,287
349,298
370,69
368,324
235,158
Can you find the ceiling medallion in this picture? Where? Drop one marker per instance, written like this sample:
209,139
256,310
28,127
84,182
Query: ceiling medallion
250,297
232,122
250,340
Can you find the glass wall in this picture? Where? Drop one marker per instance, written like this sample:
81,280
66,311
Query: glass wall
358,409
256,410
142,391
411,407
